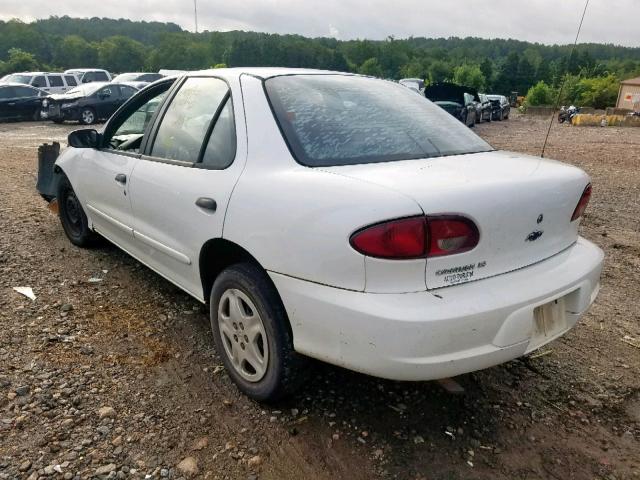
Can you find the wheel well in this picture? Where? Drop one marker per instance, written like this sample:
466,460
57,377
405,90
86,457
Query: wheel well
216,255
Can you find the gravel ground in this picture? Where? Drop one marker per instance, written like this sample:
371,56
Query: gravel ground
111,372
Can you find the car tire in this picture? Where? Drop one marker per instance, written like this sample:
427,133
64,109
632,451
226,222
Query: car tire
36,115
243,301
88,116
72,217
500,116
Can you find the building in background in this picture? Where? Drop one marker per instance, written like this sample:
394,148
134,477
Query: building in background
629,94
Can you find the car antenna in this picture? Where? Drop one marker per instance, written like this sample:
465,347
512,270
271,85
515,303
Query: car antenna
564,79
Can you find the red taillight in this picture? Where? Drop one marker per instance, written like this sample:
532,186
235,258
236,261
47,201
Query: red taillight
403,238
417,237
451,234
582,204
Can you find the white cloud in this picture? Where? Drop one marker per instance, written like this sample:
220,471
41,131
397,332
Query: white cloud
545,21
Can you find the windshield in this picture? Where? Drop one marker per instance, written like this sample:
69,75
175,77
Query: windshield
85,90
17,78
333,120
126,77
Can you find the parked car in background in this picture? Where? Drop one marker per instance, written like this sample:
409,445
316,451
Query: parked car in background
458,100
416,84
338,217
45,81
483,108
500,107
20,102
140,79
87,103
88,75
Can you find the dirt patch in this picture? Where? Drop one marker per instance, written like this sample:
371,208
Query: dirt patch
135,343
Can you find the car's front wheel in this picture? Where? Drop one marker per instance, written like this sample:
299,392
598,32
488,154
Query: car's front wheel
252,335
87,116
72,217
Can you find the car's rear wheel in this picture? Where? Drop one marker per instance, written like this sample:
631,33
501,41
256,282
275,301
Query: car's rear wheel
87,116
251,332
72,217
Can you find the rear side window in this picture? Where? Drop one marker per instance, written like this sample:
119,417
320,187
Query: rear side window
22,92
55,81
221,148
71,80
187,119
39,82
331,120
100,77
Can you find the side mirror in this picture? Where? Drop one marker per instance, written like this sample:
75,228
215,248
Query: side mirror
85,138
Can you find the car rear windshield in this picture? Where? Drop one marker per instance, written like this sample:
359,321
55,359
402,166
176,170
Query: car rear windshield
331,120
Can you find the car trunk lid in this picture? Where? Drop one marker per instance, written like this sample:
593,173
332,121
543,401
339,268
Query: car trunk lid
522,206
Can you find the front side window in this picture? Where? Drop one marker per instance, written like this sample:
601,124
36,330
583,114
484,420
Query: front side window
187,119
55,81
7,92
126,131
137,123
331,120
71,80
105,93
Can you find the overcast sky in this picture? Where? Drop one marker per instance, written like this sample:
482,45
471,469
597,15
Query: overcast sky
545,21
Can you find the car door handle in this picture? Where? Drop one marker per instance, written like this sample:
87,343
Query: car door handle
207,203
11,104
121,178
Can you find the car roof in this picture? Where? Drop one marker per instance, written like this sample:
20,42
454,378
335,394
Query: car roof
262,72
84,70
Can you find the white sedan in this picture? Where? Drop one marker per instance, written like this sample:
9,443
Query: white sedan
337,217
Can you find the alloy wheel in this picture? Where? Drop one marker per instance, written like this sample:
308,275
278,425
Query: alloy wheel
243,335
88,117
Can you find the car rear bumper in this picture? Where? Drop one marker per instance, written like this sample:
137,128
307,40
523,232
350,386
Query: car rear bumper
447,331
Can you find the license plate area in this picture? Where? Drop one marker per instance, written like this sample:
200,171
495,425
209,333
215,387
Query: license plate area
549,321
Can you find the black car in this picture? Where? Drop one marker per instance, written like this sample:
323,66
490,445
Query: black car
20,102
500,107
87,103
483,108
458,100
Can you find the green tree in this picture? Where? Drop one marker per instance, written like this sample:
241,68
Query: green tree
20,61
74,52
440,71
540,94
372,68
486,67
121,54
599,92
470,76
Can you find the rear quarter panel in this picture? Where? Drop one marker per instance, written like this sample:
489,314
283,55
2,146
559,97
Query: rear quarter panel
297,220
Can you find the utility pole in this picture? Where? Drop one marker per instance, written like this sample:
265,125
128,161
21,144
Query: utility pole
195,13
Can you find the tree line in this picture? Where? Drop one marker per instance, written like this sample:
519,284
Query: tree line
495,66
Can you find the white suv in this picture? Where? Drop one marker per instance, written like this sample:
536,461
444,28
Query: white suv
88,75
48,82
